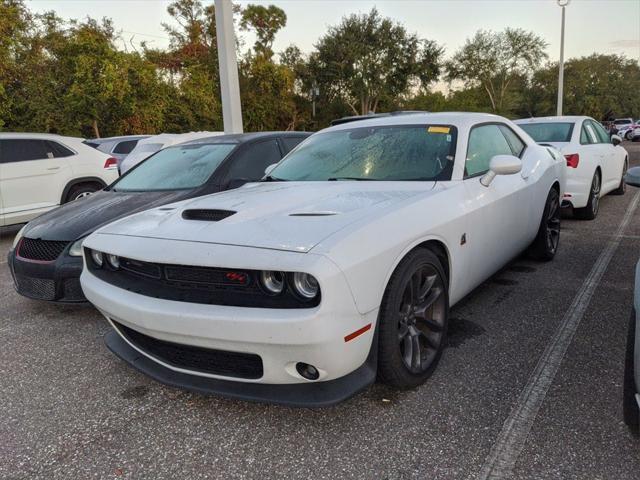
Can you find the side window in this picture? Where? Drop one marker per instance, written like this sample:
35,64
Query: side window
58,150
485,142
19,150
516,144
125,147
603,136
253,159
290,143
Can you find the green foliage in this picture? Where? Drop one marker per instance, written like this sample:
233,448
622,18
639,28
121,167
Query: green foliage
367,59
69,77
493,60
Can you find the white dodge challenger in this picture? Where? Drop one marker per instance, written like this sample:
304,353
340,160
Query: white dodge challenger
340,266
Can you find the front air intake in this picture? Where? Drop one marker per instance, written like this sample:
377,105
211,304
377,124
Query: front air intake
207,215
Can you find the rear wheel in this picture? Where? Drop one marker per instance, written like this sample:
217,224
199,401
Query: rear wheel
593,204
630,405
413,320
545,246
82,190
622,188
629,135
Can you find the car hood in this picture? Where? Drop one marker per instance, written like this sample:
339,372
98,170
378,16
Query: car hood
81,217
290,216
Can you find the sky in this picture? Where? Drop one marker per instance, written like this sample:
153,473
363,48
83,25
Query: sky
602,26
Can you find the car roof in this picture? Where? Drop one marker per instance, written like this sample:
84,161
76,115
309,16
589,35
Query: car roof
39,136
246,137
553,119
115,139
458,119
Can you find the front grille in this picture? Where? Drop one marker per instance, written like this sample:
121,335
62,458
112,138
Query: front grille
192,284
196,359
38,288
73,290
208,215
41,250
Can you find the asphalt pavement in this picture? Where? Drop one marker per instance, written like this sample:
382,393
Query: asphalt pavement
515,395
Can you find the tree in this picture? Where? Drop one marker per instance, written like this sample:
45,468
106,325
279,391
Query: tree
493,60
367,59
266,21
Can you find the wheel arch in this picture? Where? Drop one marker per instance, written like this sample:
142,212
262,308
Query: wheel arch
78,181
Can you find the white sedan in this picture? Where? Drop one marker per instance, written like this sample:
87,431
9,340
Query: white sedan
596,163
340,265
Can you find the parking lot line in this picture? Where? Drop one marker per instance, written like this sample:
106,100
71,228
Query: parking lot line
501,460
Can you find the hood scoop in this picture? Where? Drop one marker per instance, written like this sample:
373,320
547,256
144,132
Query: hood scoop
206,215
312,214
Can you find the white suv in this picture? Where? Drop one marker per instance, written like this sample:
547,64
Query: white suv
41,171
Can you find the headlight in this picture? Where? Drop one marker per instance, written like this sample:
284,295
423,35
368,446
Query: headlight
18,237
113,261
76,248
305,285
273,282
97,258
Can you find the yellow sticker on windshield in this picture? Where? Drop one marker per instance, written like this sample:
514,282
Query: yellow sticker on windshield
438,129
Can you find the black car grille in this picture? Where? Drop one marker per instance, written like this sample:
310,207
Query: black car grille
41,250
208,215
196,359
38,288
205,285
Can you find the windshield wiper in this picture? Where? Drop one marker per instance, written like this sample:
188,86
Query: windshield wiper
335,179
269,178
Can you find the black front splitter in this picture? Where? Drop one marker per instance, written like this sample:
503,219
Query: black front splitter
310,395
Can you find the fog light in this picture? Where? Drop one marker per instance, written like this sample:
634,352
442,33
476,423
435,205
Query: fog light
113,261
273,282
307,371
97,258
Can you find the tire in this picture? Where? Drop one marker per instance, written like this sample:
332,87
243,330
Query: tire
629,135
622,188
545,245
593,204
413,321
630,410
82,190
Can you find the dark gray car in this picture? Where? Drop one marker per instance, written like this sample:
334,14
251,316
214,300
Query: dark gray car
46,260
632,360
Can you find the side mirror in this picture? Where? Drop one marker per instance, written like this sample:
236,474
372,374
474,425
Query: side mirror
269,169
501,165
633,177
616,140
236,182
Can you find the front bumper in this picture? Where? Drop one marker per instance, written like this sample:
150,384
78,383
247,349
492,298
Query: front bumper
318,336
57,281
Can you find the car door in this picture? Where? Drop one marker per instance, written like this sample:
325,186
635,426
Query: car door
249,163
500,215
611,160
33,175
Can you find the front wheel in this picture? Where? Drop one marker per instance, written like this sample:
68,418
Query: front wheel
413,320
622,188
593,204
545,246
629,135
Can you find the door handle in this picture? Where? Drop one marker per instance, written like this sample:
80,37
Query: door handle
53,168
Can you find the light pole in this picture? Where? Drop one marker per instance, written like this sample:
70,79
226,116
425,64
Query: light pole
563,4
229,85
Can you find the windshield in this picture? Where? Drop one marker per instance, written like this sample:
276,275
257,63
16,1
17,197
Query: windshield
548,132
402,152
175,168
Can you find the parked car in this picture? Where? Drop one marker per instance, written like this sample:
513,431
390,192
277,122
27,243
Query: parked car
40,171
596,162
631,393
46,258
339,266
150,145
117,147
